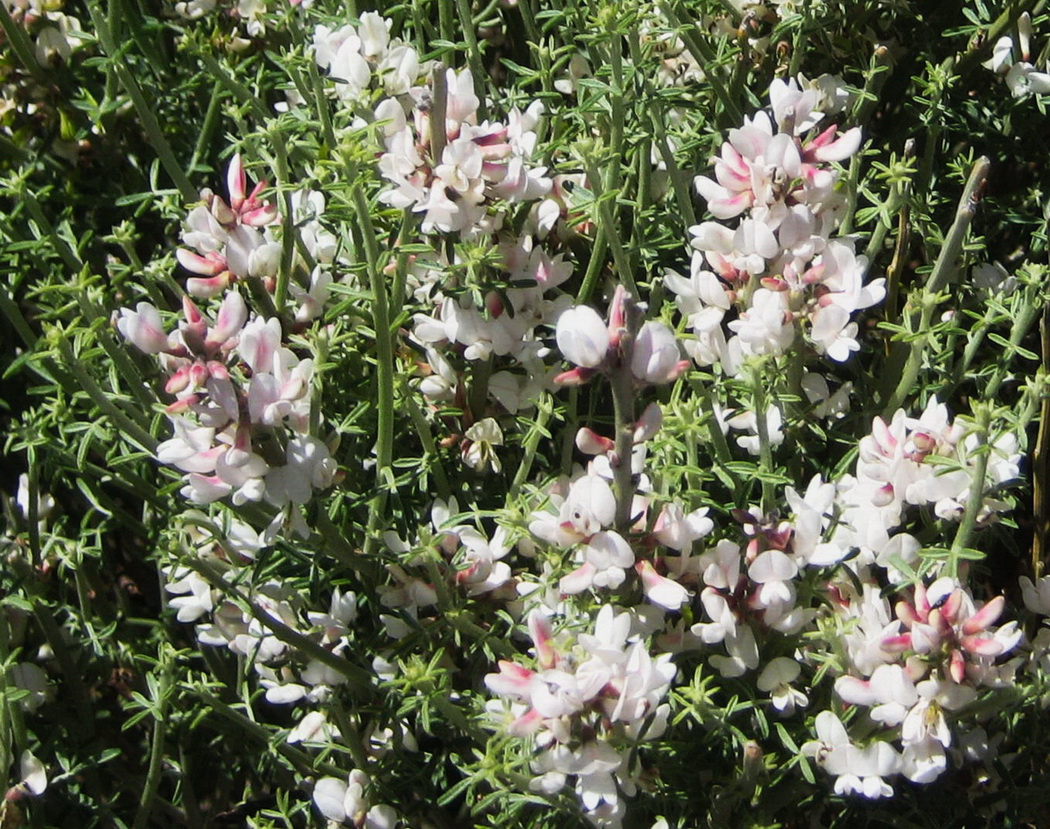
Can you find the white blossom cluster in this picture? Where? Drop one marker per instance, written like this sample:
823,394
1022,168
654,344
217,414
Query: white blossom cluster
461,177
288,674
249,17
1012,61
586,704
242,412
933,652
779,273
230,241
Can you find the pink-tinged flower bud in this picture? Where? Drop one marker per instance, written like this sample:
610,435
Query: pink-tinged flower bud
512,679
583,337
883,496
222,212
494,171
495,137
924,442
178,381
182,405
957,666
896,644
814,274
826,147
617,316
574,377
241,452
950,608
232,315
1024,35
198,375
906,613
528,723
578,580
982,646
493,304
260,216
210,264
884,438
235,182
661,590
985,617
191,312
540,631
144,328
208,288
655,356
591,443
649,423
217,371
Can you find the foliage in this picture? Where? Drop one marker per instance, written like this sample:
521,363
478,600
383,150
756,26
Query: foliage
655,442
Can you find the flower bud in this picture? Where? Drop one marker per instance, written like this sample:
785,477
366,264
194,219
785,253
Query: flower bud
582,336
655,358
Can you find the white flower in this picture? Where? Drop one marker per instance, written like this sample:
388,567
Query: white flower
480,453
345,801
582,336
34,775
655,357
1023,79
776,679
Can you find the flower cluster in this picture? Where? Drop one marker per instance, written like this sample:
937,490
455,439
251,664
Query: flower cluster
242,414
585,339
587,704
754,287
1021,76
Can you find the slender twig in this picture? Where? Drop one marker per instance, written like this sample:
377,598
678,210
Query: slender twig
145,111
156,755
1041,460
384,362
909,354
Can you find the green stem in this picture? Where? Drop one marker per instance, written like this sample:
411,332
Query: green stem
679,183
426,437
15,317
446,17
439,102
156,755
910,354
357,678
288,231
239,91
537,430
528,16
384,363
145,111
302,761
609,228
594,269
133,431
211,120
705,56
975,496
765,448
878,72
64,250
33,518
